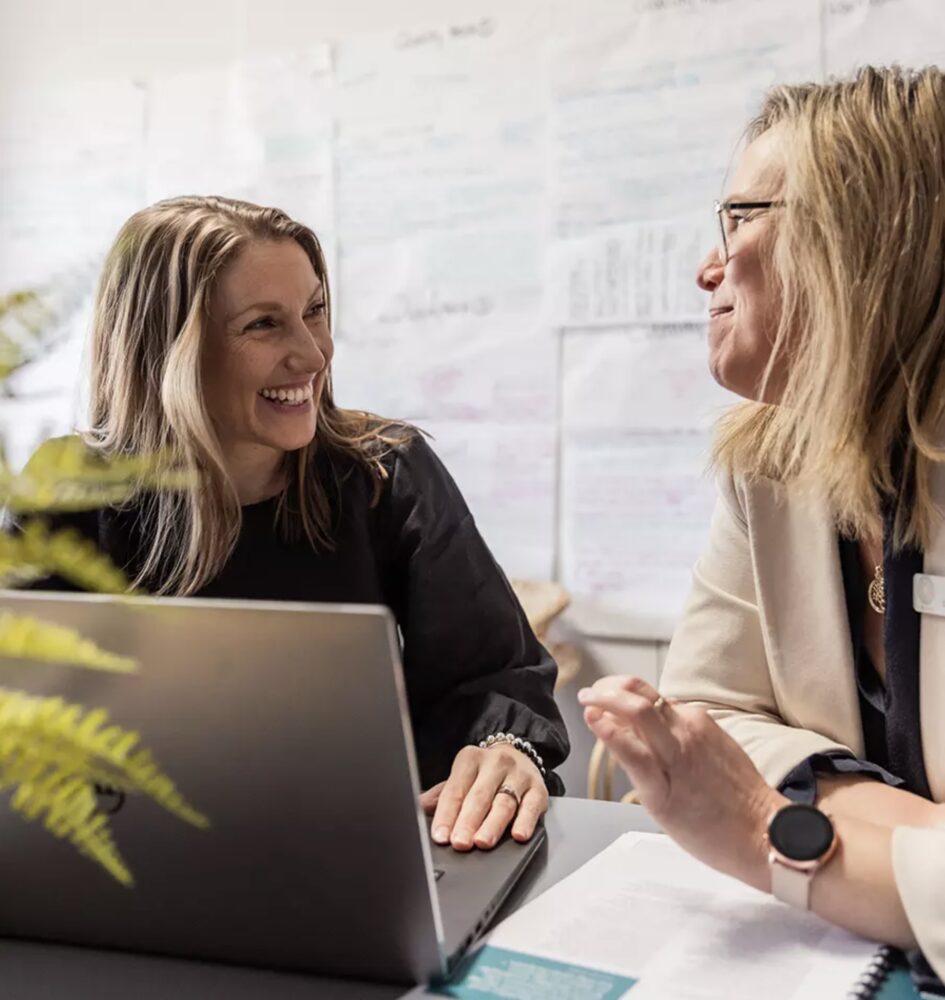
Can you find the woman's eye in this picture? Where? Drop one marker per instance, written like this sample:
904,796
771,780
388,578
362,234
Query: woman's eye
263,323
316,309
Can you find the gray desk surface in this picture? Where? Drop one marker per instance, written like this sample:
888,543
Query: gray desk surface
577,830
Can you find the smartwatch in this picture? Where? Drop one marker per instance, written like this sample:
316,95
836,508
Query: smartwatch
802,840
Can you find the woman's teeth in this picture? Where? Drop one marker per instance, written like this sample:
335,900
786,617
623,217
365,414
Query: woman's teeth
288,397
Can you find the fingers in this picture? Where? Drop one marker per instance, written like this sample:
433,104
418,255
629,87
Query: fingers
521,812
475,808
453,794
630,702
534,806
430,797
642,766
501,813
469,811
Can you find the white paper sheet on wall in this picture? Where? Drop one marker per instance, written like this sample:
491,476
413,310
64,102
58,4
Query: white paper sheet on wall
635,511
644,378
629,274
484,280
458,374
259,129
637,409
200,138
506,473
442,128
289,101
648,103
881,32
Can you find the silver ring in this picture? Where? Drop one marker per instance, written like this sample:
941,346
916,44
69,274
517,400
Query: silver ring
659,703
509,790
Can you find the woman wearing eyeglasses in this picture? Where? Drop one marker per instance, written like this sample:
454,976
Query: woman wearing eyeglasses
799,740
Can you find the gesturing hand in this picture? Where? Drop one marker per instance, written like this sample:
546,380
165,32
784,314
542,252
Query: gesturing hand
469,810
690,775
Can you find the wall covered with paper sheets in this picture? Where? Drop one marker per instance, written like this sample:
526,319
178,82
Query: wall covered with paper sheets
513,202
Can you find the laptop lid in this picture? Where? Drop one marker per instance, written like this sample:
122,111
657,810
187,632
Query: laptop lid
287,726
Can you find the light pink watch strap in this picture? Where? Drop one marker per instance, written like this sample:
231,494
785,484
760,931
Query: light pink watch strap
790,885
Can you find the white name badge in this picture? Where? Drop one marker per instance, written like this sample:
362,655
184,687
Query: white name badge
928,594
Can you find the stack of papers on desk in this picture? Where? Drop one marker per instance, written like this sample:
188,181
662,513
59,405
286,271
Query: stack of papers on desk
644,920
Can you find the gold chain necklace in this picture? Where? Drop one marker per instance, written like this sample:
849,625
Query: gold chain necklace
876,594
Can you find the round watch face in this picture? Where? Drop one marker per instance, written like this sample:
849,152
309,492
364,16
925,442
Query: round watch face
800,833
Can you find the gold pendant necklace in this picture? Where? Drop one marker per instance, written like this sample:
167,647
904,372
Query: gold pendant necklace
876,594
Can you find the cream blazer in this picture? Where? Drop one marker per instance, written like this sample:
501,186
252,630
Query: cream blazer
764,645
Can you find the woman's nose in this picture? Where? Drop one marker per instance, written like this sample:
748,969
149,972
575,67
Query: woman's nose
711,271
311,352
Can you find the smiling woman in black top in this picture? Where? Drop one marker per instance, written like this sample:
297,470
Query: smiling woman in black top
211,340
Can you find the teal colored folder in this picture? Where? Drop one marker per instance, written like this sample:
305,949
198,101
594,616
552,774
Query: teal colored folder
897,986
886,978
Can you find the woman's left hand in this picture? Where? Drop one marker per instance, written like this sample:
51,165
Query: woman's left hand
690,775
468,808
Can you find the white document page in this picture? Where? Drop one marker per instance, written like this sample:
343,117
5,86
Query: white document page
645,909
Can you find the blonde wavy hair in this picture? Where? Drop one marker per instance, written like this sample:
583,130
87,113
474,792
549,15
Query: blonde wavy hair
859,258
148,330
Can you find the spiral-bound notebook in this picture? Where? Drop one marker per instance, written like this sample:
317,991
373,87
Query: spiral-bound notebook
885,978
645,921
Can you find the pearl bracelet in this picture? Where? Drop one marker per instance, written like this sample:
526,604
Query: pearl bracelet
518,743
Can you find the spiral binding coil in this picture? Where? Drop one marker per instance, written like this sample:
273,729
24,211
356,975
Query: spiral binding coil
874,975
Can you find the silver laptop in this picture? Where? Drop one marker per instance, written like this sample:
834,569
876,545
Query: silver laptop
287,726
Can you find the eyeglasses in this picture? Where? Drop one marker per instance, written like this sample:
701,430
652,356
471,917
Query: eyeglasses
730,219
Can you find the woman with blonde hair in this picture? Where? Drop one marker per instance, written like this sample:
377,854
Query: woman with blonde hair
801,680
211,343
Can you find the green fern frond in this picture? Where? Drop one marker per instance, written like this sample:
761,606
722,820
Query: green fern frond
66,475
11,357
23,319
28,638
71,813
54,753
65,553
14,574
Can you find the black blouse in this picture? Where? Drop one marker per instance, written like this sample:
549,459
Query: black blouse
472,664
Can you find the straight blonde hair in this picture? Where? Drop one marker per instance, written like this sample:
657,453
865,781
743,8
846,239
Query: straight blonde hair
859,261
148,331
